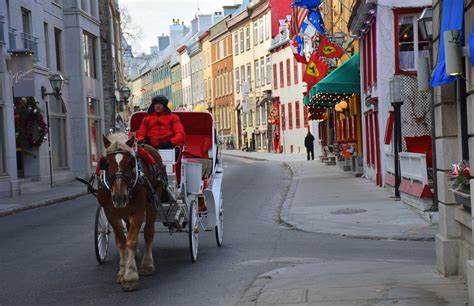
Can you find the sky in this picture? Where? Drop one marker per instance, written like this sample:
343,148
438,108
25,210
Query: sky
153,17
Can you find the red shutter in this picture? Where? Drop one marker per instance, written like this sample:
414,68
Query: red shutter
275,77
364,64
305,114
282,78
283,117
290,116
297,112
295,63
288,72
374,53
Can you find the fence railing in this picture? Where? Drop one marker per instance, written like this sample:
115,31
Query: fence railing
12,38
412,166
30,42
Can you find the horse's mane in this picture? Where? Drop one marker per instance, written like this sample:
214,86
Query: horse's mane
118,143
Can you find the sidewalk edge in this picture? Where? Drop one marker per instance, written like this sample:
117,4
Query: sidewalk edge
43,203
245,157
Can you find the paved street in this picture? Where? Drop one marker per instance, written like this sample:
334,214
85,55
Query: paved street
48,256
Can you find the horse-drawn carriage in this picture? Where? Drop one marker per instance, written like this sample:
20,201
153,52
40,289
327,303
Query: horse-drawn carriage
191,199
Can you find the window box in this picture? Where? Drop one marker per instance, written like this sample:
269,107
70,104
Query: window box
462,198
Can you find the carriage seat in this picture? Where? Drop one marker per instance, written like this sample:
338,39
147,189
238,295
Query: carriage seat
197,149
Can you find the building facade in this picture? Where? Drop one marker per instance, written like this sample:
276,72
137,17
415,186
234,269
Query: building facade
207,70
63,39
222,71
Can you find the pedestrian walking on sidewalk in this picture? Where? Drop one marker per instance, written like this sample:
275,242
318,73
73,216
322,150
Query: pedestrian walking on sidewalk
309,144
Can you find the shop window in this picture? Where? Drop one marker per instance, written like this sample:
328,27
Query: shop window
59,138
94,129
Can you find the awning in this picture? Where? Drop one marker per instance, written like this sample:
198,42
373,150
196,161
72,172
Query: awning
340,83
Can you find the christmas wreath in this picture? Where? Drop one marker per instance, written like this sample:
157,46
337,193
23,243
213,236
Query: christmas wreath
29,122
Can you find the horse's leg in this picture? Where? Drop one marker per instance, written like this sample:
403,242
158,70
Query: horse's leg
120,241
147,266
130,279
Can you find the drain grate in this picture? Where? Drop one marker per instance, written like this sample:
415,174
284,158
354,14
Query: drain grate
348,211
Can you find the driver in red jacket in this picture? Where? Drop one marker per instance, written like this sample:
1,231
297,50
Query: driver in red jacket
161,129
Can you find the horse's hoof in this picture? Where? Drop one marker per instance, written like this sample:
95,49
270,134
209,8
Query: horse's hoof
129,285
119,279
146,271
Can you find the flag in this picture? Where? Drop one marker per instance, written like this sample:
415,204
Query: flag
315,71
297,47
298,15
308,4
329,49
316,20
451,19
307,29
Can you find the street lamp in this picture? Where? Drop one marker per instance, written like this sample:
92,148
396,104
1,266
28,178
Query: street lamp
425,24
396,100
57,83
124,94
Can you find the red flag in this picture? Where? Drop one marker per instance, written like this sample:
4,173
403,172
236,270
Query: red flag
315,71
329,49
298,15
298,49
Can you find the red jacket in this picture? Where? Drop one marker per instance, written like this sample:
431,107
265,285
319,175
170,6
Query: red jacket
161,127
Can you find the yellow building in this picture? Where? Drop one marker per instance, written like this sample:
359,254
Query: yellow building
207,70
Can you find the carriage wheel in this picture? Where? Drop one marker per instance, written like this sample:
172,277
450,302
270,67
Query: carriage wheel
101,235
220,226
193,231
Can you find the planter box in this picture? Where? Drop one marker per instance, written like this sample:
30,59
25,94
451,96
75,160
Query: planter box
462,198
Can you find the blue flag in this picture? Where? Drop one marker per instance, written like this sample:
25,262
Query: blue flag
316,20
309,4
451,19
471,45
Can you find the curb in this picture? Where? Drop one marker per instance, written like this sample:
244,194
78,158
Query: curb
43,203
244,157
285,211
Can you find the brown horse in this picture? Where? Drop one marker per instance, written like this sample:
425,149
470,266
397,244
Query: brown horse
126,193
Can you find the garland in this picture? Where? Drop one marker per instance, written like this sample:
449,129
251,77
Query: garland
31,128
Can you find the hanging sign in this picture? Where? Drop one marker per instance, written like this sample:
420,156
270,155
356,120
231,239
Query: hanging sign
22,75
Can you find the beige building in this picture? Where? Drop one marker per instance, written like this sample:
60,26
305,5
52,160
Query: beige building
207,70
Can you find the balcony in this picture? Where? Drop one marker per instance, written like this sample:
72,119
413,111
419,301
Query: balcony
12,38
30,43
2,30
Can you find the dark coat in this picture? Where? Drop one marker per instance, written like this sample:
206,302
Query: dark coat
309,141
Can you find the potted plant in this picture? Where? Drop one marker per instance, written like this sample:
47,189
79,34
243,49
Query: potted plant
460,184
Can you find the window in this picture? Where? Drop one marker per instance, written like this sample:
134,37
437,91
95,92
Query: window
264,113
275,77
242,47
261,33
269,69
236,43
247,37
258,115
244,117
257,74
305,116
26,20
227,85
267,27
242,76
58,48
283,115
90,55
288,72
410,43
290,116
46,44
296,75
250,113
93,8
282,78
262,71
94,129
2,135
249,74
84,5
297,113
255,33
59,150
209,87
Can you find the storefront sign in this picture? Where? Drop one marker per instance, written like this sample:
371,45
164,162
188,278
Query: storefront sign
22,75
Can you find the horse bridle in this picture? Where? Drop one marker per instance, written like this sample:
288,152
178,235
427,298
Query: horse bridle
129,180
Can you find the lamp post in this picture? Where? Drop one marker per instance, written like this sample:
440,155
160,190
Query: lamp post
57,83
397,102
425,24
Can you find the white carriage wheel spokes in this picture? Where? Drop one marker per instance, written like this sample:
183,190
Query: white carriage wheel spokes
103,234
220,225
193,231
